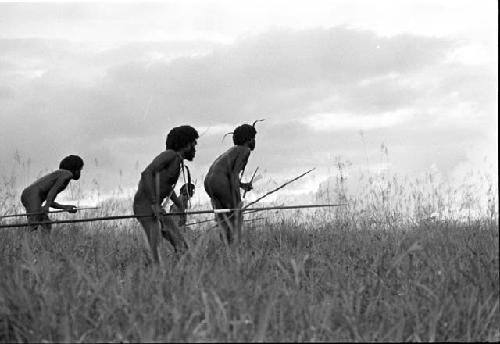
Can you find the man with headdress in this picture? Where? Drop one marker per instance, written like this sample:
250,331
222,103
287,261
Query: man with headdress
158,182
223,183
46,189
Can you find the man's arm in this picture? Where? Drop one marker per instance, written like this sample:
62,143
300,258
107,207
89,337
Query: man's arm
239,165
59,185
177,201
161,162
56,205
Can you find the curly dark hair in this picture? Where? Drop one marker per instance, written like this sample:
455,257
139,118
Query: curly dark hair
71,163
179,137
243,133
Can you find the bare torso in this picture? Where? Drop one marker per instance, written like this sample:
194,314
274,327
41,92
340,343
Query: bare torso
225,163
42,186
167,164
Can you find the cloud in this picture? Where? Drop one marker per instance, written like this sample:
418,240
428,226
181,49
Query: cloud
278,74
316,88
344,121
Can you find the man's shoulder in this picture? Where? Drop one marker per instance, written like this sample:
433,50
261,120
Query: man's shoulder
168,154
244,150
239,149
64,174
50,178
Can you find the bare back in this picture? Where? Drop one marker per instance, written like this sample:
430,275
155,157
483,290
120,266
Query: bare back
225,163
41,187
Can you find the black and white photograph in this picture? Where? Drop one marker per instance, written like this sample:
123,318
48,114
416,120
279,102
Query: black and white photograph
249,171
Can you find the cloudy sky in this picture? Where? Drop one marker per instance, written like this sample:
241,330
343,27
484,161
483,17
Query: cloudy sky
333,79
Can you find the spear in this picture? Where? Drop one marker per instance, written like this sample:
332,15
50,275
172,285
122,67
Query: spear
268,193
251,180
50,212
210,211
209,220
278,188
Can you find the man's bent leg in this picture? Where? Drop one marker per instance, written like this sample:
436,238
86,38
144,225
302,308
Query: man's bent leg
152,232
223,221
237,224
33,207
172,233
151,228
46,226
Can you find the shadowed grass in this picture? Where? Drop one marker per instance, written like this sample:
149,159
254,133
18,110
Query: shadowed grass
287,282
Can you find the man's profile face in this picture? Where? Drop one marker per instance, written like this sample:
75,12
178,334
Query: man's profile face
251,145
191,152
76,174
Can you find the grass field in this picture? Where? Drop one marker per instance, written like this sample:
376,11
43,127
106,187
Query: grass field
364,273
287,282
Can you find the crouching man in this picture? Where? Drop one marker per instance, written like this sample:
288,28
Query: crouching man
157,183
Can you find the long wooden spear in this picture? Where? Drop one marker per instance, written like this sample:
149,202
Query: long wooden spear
196,212
278,188
209,220
50,212
268,193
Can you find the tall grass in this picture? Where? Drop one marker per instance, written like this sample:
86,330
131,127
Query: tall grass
381,269
286,282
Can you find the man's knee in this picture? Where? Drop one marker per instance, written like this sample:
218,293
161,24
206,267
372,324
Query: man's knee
148,227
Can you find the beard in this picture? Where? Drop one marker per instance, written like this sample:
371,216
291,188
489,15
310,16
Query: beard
252,145
189,155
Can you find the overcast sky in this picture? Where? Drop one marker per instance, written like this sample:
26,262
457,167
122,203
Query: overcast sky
333,79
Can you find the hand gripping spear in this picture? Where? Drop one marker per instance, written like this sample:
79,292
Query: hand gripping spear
251,180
